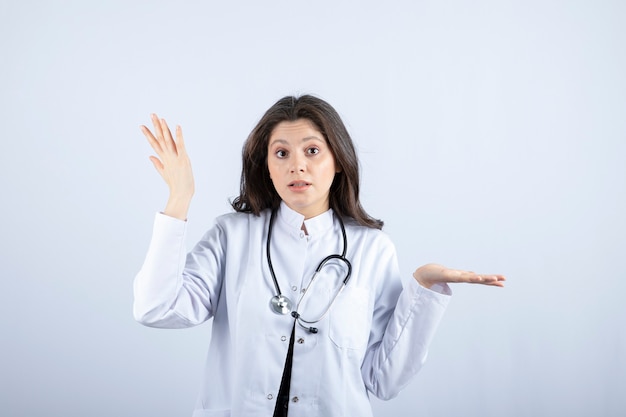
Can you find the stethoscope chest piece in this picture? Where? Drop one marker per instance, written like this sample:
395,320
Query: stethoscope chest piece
281,304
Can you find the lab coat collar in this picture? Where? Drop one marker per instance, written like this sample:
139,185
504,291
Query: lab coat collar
314,226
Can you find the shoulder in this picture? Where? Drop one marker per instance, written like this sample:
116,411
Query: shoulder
368,236
238,220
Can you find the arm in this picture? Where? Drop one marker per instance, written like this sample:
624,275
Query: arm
174,290
169,290
398,350
403,324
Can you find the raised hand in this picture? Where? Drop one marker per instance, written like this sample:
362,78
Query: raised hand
172,163
430,274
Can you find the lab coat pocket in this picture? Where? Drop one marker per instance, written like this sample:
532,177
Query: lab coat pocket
351,318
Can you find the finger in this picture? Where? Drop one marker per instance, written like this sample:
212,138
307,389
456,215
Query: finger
167,136
157,164
180,142
158,131
151,140
500,281
494,280
456,275
492,277
474,277
492,283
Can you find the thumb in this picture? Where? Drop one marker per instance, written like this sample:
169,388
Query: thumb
158,165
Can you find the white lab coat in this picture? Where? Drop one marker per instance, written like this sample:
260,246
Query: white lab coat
374,339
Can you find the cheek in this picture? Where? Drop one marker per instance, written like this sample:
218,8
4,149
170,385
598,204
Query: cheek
274,172
331,169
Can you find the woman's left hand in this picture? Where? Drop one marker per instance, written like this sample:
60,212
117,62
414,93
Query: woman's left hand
431,274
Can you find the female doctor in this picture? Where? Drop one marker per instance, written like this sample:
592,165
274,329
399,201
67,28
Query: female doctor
309,312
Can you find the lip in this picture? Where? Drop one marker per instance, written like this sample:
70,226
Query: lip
299,183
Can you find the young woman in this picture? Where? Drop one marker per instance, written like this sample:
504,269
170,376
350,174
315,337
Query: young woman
309,312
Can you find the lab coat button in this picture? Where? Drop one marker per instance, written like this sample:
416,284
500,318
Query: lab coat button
283,338
294,288
301,341
270,396
301,235
295,399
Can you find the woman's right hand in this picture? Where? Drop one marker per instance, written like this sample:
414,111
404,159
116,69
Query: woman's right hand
172,163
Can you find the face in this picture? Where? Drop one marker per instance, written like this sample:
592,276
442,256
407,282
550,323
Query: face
302,166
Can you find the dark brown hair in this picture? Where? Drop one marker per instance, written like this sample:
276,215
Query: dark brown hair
256,189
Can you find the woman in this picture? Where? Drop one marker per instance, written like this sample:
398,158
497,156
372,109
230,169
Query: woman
309,313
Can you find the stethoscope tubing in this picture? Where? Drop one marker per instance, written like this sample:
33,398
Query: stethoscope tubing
279,294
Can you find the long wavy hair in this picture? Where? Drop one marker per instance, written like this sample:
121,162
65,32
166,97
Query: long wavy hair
257,191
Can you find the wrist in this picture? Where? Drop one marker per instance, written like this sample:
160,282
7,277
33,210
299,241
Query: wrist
421,281
178,207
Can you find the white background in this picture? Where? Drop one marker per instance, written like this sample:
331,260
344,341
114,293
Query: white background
492,136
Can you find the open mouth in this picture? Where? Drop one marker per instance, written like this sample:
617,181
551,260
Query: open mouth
298,184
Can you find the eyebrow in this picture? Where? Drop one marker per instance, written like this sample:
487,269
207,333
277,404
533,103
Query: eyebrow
304,139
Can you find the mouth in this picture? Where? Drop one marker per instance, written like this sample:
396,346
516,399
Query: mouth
298,184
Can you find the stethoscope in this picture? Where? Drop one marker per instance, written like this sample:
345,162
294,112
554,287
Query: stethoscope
280,304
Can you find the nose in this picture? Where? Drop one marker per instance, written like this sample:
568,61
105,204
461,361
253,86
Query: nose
298,164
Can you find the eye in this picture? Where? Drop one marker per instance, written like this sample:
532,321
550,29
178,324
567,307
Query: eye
312,151
281,153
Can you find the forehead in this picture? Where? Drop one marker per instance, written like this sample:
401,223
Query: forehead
297,129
